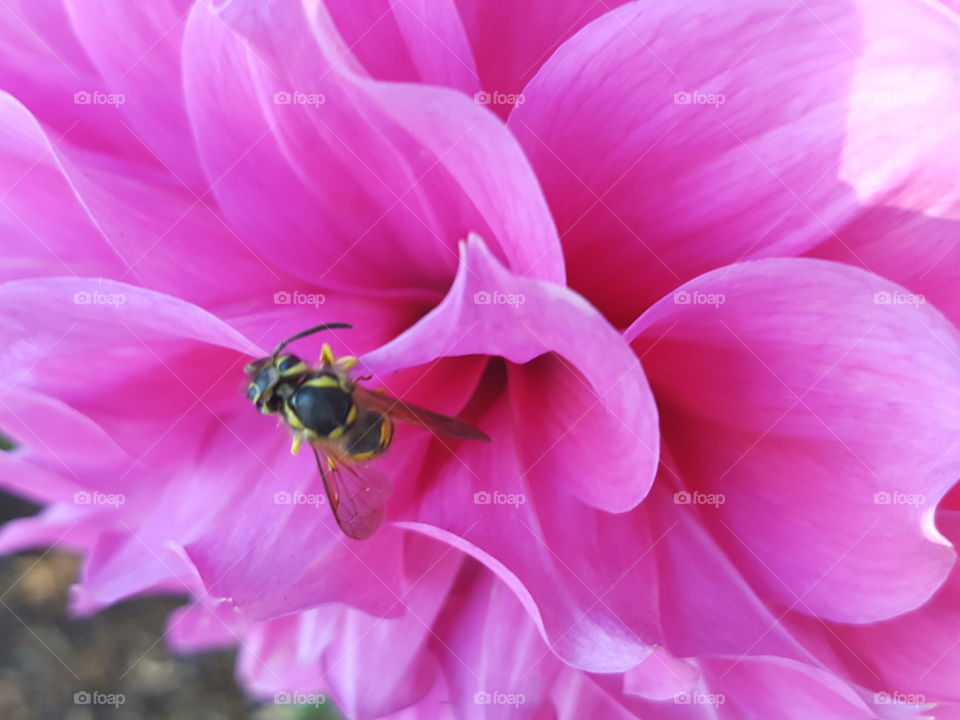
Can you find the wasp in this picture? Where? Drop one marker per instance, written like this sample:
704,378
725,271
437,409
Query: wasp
345,424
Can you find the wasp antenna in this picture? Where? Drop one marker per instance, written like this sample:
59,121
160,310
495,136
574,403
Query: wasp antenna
311,331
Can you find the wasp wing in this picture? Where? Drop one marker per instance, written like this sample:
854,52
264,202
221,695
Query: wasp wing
358,496
416,415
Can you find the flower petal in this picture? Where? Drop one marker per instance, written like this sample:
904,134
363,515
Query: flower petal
340,650
495,660
136,49
661,676
387,190
773,687
582,390
913,656
201,626
511,41
686,136
713,610
877,238
365,680
48,70
36,241
289,545
412,41
540,475
796,392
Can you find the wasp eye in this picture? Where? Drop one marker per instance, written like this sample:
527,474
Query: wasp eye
288,363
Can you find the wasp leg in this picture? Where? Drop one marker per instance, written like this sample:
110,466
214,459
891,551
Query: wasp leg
326,355
297,442
347,362
327,358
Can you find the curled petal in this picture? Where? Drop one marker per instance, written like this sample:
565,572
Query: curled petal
583,388
815,416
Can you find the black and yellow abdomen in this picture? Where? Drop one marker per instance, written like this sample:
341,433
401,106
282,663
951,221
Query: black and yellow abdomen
369,436
322,406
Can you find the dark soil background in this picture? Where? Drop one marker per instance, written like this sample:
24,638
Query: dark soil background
45,658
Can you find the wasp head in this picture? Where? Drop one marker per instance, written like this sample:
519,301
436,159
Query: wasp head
270,373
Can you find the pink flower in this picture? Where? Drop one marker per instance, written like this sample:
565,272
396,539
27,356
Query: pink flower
514,206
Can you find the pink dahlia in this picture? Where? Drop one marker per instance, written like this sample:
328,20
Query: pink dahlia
690,267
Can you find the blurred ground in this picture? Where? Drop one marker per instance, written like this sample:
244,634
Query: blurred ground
45,658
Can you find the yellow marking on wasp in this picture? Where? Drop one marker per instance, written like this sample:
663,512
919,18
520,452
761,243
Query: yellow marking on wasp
331,463
291,418
352,415
297,442
365,455
336,432
347,362
297,369
323,381
326,355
